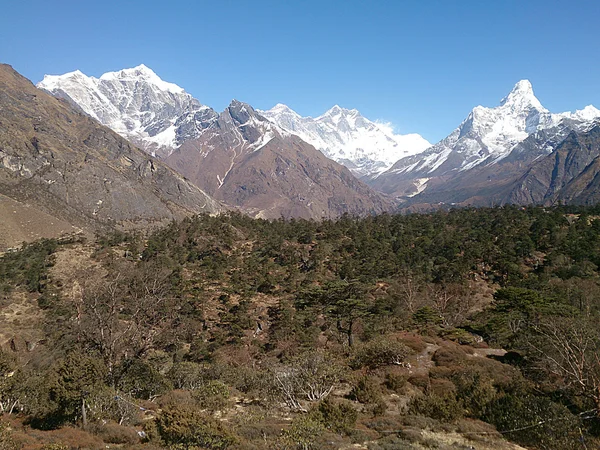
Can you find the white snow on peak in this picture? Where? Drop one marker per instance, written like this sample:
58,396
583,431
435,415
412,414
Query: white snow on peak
588,114
522,97
488,135
344,135
135,103
144,73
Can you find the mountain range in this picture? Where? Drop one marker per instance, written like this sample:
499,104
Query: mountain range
237,156
490,149
159,117
68,155
367,148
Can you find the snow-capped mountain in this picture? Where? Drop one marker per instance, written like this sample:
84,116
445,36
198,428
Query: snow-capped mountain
485,137
249,162
238,155
135,103
347,137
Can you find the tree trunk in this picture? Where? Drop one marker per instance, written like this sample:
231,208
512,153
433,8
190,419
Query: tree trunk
83,413
350,335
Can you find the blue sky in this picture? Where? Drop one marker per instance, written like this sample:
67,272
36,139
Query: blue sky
421,65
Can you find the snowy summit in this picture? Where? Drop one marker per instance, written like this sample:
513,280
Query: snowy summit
347,137
489,134
135,103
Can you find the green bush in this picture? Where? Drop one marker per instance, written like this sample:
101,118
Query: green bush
188,428
337,417
140,380
475,391
445,408
395,382
427,316
213,396
366,390
537,421
302,434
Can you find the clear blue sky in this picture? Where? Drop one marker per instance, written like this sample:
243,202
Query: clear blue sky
421,65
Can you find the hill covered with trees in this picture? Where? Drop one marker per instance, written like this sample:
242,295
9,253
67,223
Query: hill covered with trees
470,327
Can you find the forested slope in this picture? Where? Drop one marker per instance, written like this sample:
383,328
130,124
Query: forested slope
445,330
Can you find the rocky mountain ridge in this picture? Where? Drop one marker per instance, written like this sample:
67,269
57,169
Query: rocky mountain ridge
66,164
160,116
248,162
484,139
135,103
344,135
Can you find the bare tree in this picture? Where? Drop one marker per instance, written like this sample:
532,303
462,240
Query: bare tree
410,293
310,377
568,349
125,316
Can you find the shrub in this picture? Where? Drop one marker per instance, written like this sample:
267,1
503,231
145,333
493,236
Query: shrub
414,342
427,316
395,382
69,437
188,427
186,375
449,355
213,395
302,434
368,392
445,408
176,397
460,336
141,380
553,426
420,381
380,352
337,417
475,391
113,433
365,391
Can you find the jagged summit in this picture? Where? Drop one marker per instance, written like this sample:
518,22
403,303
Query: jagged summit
521,96
142,72
135,103
347,137
485,137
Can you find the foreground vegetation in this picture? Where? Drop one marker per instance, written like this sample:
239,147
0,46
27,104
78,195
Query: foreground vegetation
446,330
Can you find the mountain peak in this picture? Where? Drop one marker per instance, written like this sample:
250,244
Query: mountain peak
236,104
142,72
347,137
281,108
590,112
521,96
52,82
337,110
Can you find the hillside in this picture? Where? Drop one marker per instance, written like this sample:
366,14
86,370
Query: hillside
65,164
416,331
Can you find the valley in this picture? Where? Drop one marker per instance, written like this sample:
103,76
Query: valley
176,277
